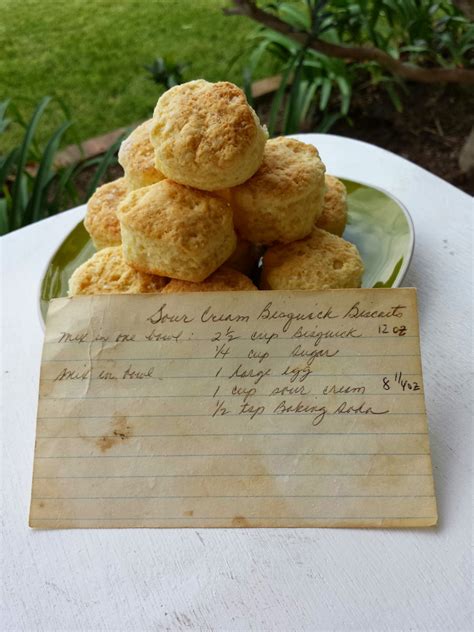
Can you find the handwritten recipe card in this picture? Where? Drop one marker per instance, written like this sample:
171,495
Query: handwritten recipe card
256,409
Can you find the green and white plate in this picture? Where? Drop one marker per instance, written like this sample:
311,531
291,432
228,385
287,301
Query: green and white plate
378,225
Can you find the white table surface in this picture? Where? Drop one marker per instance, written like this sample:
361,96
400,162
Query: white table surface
256,579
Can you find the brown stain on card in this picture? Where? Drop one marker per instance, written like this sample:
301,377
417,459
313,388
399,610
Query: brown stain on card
120,431
240,521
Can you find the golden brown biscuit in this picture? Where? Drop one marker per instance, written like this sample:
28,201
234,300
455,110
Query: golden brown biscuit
101,221
206,135
334,215
321,261
245,257
107,273
222,280
282,201
172,230
137,157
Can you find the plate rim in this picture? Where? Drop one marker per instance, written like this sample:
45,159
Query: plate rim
404,267
396,283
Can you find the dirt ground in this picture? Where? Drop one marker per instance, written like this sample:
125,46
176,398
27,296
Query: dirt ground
430,131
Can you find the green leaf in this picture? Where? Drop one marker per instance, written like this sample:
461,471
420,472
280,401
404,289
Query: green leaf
278,98
19,195
106,161
18,206
346,93
394,98
325,93
329,119
43,176
256,56
72,132
61,180
294,16
292,114
308,100
4,219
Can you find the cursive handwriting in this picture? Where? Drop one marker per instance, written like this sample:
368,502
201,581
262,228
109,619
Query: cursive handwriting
241,372
162,316
317,336
208,316
319,412
362,409
71,374
158,336
269,313
356,311
312,354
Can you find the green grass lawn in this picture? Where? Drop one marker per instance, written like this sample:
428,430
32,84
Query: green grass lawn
90,53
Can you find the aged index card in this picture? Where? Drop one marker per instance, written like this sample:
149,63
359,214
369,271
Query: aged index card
257,409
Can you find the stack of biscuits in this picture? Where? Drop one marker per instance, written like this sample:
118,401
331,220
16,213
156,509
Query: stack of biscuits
208,203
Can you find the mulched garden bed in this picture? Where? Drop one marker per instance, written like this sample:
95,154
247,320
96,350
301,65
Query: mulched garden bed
430,131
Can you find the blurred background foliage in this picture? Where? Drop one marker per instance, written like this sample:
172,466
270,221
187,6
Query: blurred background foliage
425,33
105,63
